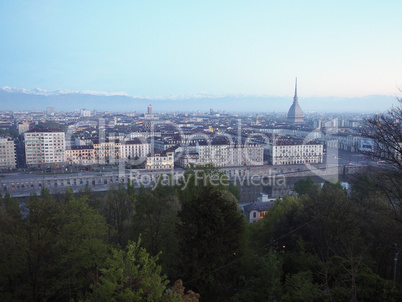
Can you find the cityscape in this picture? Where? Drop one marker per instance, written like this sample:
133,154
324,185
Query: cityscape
44,145
191,151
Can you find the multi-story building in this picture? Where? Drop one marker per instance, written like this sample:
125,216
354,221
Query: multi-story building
246,155
135,150
221,154
7,153
85,113
288,152
107,151
81,155
82,141
23,127
160,160
44,146
143,134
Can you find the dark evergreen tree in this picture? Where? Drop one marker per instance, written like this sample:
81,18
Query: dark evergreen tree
118,210
209,233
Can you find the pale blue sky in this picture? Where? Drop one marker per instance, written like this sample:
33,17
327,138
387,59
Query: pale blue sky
163,48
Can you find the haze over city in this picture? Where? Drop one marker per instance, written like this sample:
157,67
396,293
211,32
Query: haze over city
164,50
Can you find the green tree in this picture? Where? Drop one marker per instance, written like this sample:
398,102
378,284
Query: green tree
261,276
130,274
12,248
304,186
301,287
81,249
40,228
235,190
50,250
155,220
118,210
209,233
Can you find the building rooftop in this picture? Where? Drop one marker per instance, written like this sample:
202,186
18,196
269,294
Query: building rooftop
39,130
258,206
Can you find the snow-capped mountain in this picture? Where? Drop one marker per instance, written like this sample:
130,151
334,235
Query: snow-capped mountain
25,99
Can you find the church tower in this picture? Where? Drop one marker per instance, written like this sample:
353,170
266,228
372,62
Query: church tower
295,114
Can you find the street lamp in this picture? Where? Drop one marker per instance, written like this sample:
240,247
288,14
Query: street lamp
395,246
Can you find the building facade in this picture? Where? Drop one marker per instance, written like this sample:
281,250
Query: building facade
107,151
135,150
295,114
222,154
288,153
85,113
44,147
23,127
160,160
7,153
81,155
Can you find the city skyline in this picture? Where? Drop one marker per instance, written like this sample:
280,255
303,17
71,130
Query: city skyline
160,50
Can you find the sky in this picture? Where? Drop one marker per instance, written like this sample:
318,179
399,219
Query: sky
164,48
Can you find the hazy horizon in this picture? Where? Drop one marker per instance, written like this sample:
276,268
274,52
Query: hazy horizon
23,99
160,49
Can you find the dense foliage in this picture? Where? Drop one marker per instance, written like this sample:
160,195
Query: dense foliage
322,243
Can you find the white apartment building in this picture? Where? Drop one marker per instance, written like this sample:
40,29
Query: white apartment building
294,153
7,153
160,160
135,150
85,113
215,153
246,155
44,146
222,154
23,127
143,134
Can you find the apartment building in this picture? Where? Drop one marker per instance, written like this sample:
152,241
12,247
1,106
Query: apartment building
246,155
7,153
107,151
160,160
221,154
288,152
23,127
85,113
135,150
44,147
81,155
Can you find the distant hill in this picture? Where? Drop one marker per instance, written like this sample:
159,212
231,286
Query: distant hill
22,99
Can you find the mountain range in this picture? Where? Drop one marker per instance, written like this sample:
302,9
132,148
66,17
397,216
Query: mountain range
37,99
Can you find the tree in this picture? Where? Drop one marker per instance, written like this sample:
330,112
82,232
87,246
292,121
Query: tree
235,190
177,291
155,220
81,249
130,274
39,234
304,186
118,210
261,278
50,250
209,233
385,132
12,248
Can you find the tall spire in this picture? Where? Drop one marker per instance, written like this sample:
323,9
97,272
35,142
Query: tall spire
295,114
